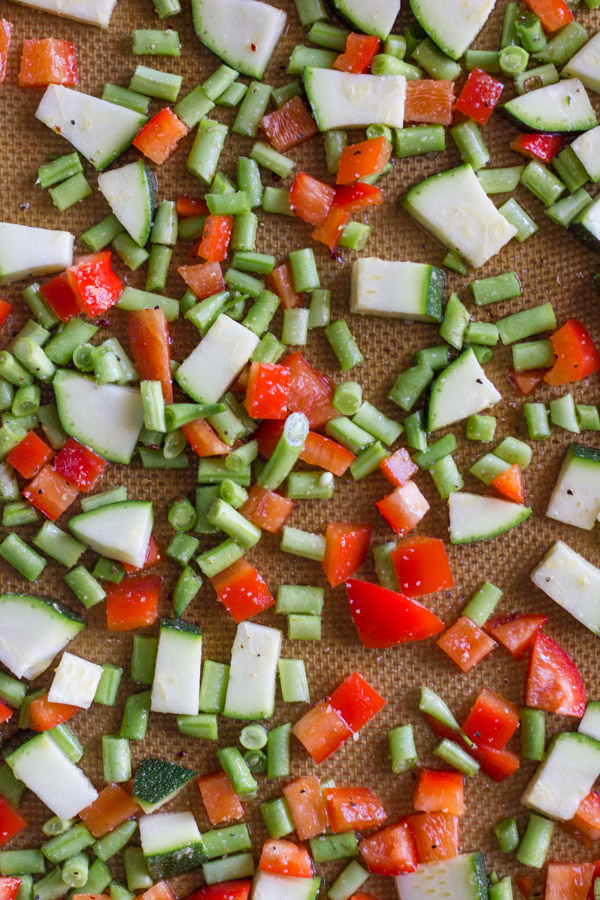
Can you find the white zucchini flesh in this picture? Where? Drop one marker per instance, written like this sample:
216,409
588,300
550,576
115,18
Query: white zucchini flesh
461,390
168,832
244,33
106,417
454,207
176,685
75,681
217,361
345,100
575,499
452,24
98,129
566,776
268,886
586,148
462,877
251,686
474,517
561,107
572,582
92,12
26,251
58,782
119,531
375,17
396,289
590,722
585,65
130,192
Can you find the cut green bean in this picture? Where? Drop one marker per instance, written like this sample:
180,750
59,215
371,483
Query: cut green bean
535,843
277,817
526,323
533,734
208,145
22,862
348,882
203,726
435,62
108,686
286,453
253,107
113,842
470,143
328,847
452,754
143,658
219,558
135,716
343,344
347,398
303,57
536,417
507,835
403,753
294,331
563,413
409,386
482,604
136,871
120,96
278,751
236,769
67,844
520,219
152,83
335,141
21,557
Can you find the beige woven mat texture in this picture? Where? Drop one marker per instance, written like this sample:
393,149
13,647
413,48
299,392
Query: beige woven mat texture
553,266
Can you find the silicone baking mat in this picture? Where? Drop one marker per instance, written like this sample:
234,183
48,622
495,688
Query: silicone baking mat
552,265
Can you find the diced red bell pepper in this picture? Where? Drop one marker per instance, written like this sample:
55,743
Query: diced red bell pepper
577,355
346,547
159,891
226,890
5,712
203,439
48,61
49,492
267,509
203,280
153,557
568,881
596,875
362,896
311,199
5,33
436,834
525,885
6,308
553,679
353,809
385,618
44,715
553,14
221,802
310,392
150,342
391,851
492,720
439,791
479,96
159,137
585,824
80,465
326,454
95,285
403,508
359,53
466,644
288,126
281,283
60,297
305,800
286,858
9,888
365,158
498,764
509,484
11,822
356,701
267,434
133,603
242,591
216,238
191,206
516,631
429,102
321,731
526,382
30,455
543,147
398,468
268,390
330,232
355,197
111,808
422,566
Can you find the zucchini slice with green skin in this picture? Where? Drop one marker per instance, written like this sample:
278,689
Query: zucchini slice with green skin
585,65
461,390
251,686
452,24
562,107
26,251
375,17
586,148
572,582
171,843
130,191
590,723
92,12
176,685
346,100
117,530
474,517
463,877
403,290
566,776
157,782
575,499
586,226
268,886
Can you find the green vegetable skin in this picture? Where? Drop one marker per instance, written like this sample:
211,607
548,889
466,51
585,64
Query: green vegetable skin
203,534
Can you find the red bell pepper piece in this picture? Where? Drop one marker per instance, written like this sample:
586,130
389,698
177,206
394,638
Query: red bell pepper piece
267,509
150,342
359,53
403,508
268,390
554,14
60,297
242,591
95,285
326,454
509,484
305,800
6,308
203,280
44,715
543,147
568,880
267,434
429,102
310,392
30,455
11,822
439,791
585,824
436,834
159,137
321,731
153,557
158,891
80,465
398,468
355,197
516,631
286,858
356,701
330,232
191,206
479,96
466,644
385,618
362,159
281,283
50,493
5,712
9,888
525,885
526,382
422,566
48,61
111,808
133,603
353,809
216,237
311,199
362,896
221,802
227,890
5,33
553,679
203,440
288,126
498,764
391,851
346,547
492,720
577,355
